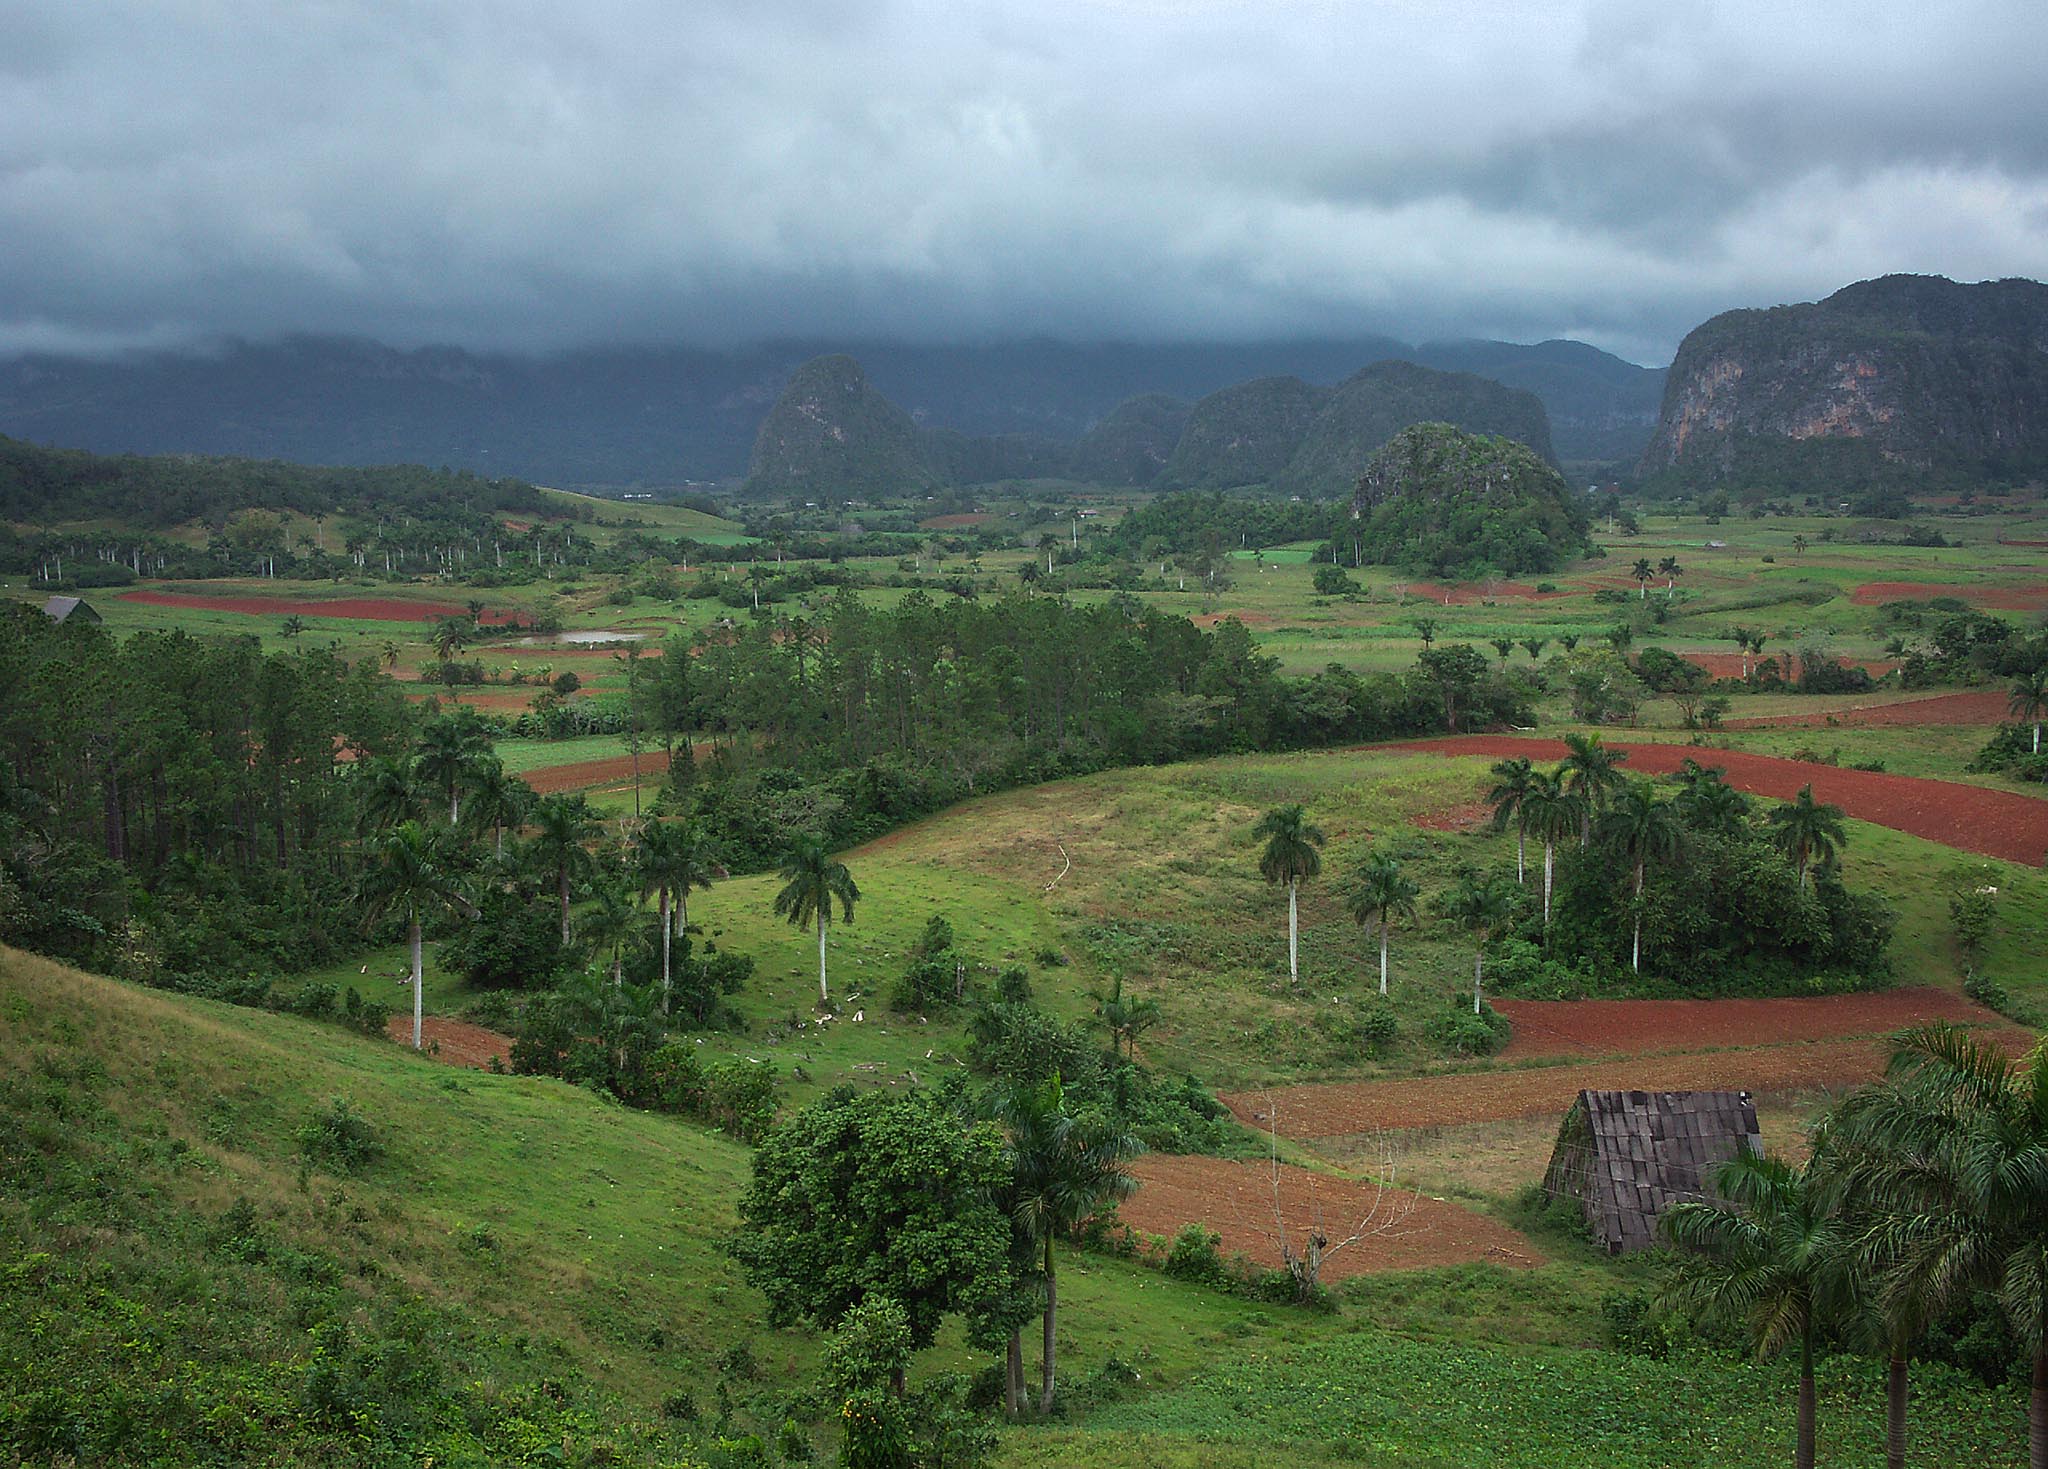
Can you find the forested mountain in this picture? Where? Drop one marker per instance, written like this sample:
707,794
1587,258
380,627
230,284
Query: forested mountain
622,415
1450,502
1889,377
1377,402
1132,445
1243,435
831,431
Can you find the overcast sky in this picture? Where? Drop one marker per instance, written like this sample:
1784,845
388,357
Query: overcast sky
499,173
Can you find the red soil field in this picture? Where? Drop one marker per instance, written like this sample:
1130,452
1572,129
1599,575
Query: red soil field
1731,665
459,1043
1618,1027
361,609
1235,1200
504,701
1982,707
954,522
1998,824
2011,599
584,774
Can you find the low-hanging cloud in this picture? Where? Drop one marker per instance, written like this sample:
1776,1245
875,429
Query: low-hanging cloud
505,173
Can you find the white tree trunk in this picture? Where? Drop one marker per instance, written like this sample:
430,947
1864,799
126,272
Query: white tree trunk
1635,958
1549,861
1478,968
418,978
665,938
1293,933
823,995
1521,853
2037,739
682,911
1383,954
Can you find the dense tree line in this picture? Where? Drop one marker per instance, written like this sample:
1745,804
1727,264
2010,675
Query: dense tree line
869,716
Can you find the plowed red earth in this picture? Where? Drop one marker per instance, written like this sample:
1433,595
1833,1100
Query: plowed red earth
584,774
455,1041
1616,1027
1235,1200
361,609
2013,599
1734,665
1970,818
502,702
1983,707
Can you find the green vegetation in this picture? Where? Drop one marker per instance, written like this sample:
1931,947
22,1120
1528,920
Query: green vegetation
1451,503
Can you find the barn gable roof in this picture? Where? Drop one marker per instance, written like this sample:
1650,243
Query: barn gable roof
61,608
1628,1156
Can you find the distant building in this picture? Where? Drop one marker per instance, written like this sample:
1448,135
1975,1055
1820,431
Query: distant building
66,609
1626,1157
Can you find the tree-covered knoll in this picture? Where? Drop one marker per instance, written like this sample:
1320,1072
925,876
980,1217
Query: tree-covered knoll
1450,503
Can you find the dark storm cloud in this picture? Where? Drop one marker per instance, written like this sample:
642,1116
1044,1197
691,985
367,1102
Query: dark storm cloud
498,172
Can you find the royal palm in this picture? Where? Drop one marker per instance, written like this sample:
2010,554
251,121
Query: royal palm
1289,857
812,879
1382,894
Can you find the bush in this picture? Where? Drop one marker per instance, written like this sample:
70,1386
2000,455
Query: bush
1377,1029
1459,1032
340,1138
1194,1257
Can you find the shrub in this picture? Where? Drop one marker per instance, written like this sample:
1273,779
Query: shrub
340,1138
1458,1032
1377,1029
1194,1257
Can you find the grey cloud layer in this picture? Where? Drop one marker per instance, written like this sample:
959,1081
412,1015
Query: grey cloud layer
507,173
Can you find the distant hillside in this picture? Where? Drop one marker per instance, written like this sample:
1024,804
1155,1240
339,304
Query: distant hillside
1377,402
619,416
830,432
1451,503
1886,378
1243,435
1133,444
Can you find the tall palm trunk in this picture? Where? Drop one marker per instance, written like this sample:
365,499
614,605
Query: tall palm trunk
1895,1410
823,994
1635,958
454,807
1549,861
1478,967
1521,852
1013,1373
1383,953
2037,739
1802,1454
665,937
562,889
1293,945
1052,1306
682,911
412,935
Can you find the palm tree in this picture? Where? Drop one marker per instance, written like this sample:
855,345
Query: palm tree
1809,831
1064,1169
1554,814
452,752
1425,628
1569,641
1639,825
1503,646
1592,772
1670,570
1961,1130
1481,905
2029,700
670,860
386,793
562,824
1799,545
498,800
1290,856
411,872
1777,1261
1534,647
1707,802
1382,894
1642,571
608,923
1125,1019
293,627
451,635
811,880
1741,636
1516,779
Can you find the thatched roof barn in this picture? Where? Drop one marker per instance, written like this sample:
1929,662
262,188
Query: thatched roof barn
1628,1156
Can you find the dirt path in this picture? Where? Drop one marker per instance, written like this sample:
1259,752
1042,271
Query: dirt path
1634,1027
455,1041
1235,1200
583,774
1983,706
1970,818
1340,1109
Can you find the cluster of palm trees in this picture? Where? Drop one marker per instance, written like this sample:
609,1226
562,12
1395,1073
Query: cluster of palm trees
1921,1192
1751,642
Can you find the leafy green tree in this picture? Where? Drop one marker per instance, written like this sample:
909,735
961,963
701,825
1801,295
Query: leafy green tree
1554,814
1503,646
1481,904
1642,571
1064,1168
1289,857
1592,772
1639,825
386,793
1959,1132
498,801
293,627
812,878
609,922
875,1195
1125,1019
1707,802
1425,629
1778,1263
669,859
454,753
2029,700
1514,779
1670,570
1809,832
1568,641
1382,894
1740,637
411,872
563,828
